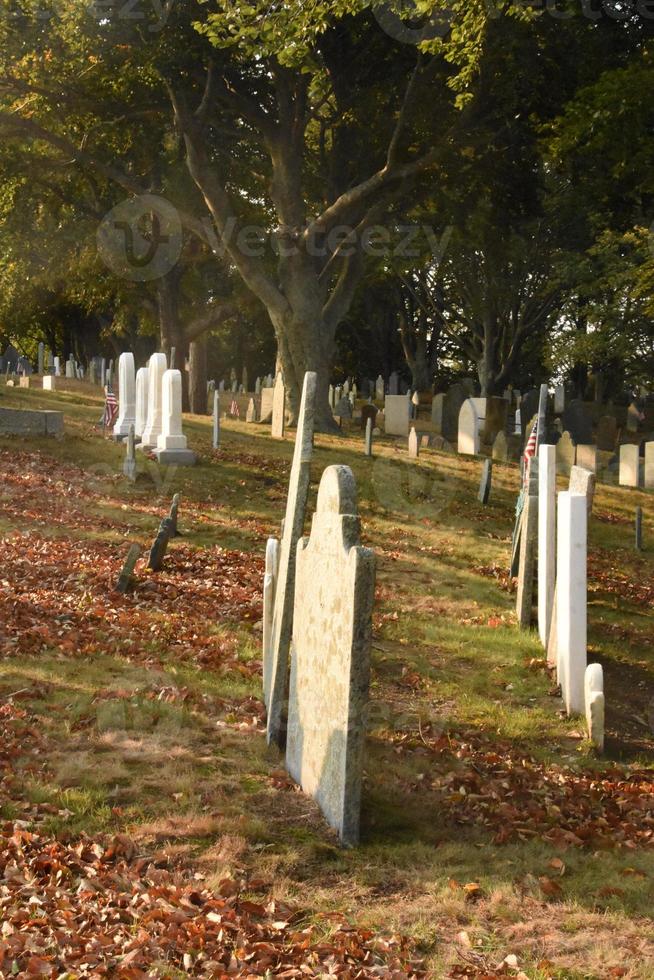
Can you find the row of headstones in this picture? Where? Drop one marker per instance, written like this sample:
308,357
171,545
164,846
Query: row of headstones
239,389
150,408
552,531
318,600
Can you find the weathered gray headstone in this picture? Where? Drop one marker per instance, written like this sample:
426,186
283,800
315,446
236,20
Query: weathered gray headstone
173,516
330,666
566,454
486,482
160,545
583,481
396,415
298,489
129,463
251,414
126,577
368,441
266,404
380,389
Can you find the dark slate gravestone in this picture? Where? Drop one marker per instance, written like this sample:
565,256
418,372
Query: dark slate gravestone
486,482
126,577
368,412
452,403
160,545
578,421
607,434
529,405
343,409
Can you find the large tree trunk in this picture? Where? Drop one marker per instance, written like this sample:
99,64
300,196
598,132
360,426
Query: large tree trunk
197,370
306,346
171,329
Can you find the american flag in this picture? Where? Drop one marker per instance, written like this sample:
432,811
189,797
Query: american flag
233,409
530,451
110,407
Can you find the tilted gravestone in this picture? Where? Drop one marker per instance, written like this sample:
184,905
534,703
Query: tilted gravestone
282,626
278,409
126,577
160,545
486,482
330,665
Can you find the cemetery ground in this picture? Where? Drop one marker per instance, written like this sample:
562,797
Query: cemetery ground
142,808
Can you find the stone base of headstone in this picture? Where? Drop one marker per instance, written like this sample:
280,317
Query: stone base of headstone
49,382
175,457
594,701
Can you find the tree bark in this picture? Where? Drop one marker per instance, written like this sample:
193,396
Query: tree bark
171,330
197,370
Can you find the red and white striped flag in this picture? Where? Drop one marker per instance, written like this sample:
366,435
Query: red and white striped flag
110,407
530,452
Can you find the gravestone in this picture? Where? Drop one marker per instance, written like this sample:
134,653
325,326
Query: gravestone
380,389
129,463
330,666
629,466
546,538
527,553
126,577
278,409
471,419
49,382
571,599
160,545
21,422
368,412
486,482
649,465
257,386
559,400
23,382
173,516
452,403
414,448
607,434
343,409
70,368
157,365
437,404
251,414
587,457
141,402
172,446
582,481
126,396
566,454
269,589
368,437
578,421
266,404
293,526
594,703
57,367
396,415
501,448
215,440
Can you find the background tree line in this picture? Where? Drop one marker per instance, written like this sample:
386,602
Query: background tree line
456,189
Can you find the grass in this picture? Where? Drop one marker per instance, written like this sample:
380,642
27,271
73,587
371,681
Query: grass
189,771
